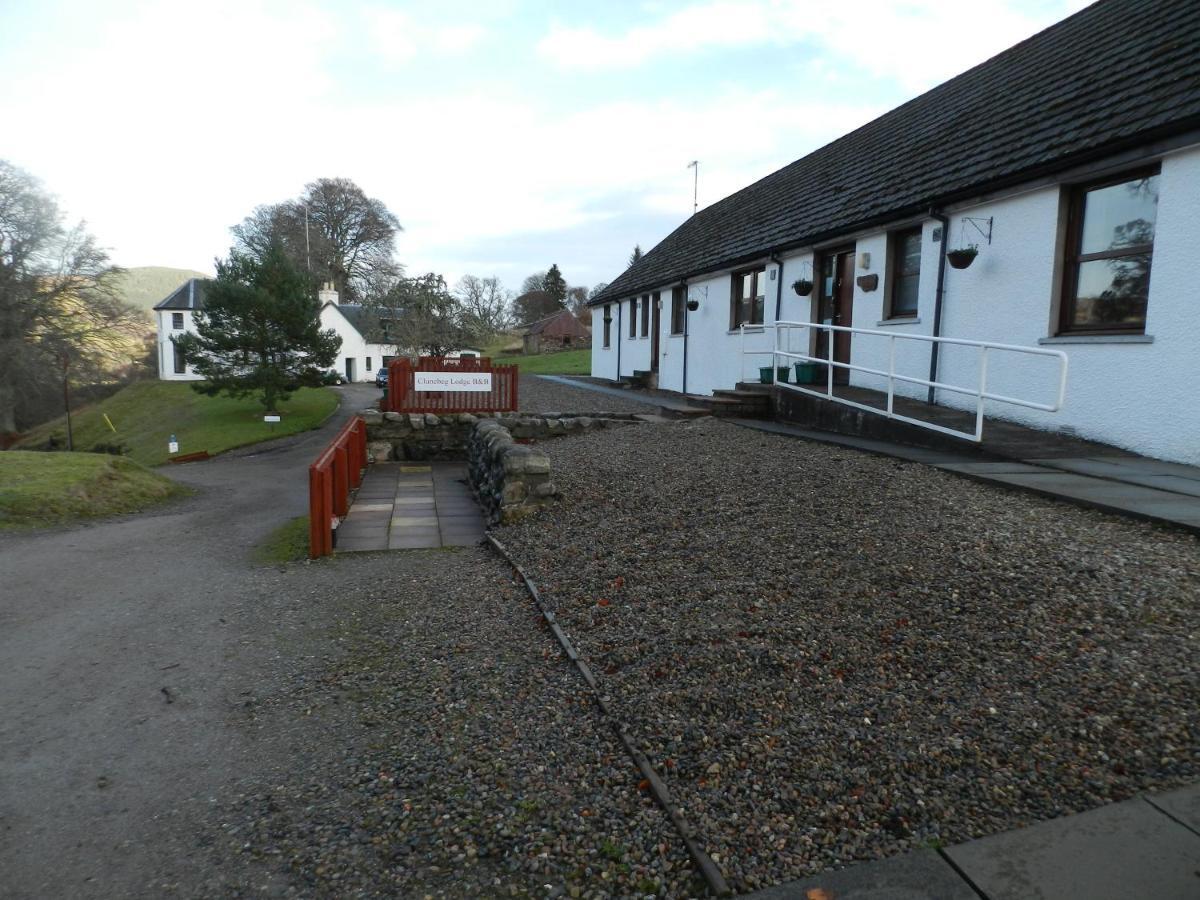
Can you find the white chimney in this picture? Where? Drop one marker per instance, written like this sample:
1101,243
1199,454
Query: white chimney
327,294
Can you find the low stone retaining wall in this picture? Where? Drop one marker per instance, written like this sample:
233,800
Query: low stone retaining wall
510,477
511,480
419,437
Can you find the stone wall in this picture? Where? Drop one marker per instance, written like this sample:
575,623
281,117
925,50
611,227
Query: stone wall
510,479
415,436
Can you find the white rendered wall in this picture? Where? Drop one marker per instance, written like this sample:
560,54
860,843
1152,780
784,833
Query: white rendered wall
1140,396
604,359
353,346
166,350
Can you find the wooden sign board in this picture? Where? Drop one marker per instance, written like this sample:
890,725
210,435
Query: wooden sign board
480,382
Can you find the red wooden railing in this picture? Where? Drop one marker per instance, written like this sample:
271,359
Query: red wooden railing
402,396
335,473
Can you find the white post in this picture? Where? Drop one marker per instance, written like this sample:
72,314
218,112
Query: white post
983,364
891,372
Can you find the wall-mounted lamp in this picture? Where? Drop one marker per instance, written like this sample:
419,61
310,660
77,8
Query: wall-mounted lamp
864,260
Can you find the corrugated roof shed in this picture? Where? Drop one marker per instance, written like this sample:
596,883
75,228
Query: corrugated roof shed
1116,75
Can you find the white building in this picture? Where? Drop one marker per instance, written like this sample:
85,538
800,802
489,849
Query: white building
357,360
1072,162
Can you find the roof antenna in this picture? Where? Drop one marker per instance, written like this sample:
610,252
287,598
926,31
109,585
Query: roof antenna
695,164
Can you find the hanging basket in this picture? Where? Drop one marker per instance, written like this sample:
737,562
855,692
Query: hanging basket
960,259
802,286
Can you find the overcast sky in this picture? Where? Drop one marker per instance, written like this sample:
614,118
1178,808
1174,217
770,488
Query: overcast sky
504,135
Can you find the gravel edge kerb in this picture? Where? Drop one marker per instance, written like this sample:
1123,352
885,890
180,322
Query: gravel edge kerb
708,869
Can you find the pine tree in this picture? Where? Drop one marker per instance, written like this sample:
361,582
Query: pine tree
555,285
259,330
636,254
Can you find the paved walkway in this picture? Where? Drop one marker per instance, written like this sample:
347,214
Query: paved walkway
409,506
1146,847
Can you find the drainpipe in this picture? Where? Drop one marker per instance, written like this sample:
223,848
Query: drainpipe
620,336
686,313
778,286
937,301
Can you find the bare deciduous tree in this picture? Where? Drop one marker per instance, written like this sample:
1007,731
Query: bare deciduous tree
59,303
333,230
486,306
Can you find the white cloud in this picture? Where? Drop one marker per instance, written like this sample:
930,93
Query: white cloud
396,37
717,24
917,42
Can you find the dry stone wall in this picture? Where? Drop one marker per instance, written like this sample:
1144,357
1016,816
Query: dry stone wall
510,475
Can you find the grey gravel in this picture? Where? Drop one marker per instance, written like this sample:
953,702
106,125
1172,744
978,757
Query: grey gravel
432,741
833,656
539,395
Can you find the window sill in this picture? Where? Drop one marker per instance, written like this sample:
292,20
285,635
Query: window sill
1098,339
750,329
899,320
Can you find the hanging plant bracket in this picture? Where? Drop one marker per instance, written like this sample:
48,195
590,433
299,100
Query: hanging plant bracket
978,224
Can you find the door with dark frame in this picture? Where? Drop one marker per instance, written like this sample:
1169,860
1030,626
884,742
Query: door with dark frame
835,306
655,314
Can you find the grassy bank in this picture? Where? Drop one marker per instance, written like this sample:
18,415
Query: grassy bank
564,362
147,413
287,543
44,489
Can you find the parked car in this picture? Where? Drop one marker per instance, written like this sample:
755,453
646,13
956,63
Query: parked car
381,377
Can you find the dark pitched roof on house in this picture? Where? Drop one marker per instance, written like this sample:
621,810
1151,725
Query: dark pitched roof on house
189,295
355,315
1118,74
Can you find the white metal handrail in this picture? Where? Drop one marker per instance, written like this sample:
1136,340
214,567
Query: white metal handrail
979,391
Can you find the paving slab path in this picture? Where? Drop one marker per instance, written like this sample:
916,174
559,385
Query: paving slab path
411,506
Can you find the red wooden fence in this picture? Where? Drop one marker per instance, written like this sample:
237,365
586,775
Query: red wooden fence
402,396
336,471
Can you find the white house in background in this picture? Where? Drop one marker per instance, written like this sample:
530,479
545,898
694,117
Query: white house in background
357,359
1071,160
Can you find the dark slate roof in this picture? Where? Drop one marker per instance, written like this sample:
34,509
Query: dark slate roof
355,315
189,295
1118,74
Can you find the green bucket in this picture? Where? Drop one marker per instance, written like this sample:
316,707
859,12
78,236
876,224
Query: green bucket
807,373
766,374
782,373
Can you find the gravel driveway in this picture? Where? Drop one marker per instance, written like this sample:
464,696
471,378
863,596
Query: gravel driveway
833,656
436,744
539,395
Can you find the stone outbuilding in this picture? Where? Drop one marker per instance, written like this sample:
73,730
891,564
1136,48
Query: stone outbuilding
561,331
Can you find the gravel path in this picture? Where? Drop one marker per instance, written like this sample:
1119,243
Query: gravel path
538,395
833,656
433,742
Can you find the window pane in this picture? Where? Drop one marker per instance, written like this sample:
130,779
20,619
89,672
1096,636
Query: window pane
1113,292
747,286
908,254
1120,215
904,294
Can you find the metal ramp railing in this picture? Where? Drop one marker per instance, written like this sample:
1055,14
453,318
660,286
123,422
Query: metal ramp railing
785,332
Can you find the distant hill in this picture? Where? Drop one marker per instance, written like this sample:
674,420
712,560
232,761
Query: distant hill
147,285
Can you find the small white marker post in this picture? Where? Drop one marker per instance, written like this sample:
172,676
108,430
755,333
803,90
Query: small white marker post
172,445
272,419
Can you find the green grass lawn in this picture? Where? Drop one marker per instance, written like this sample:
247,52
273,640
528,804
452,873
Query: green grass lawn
287,543
43,489
564,362
147,413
